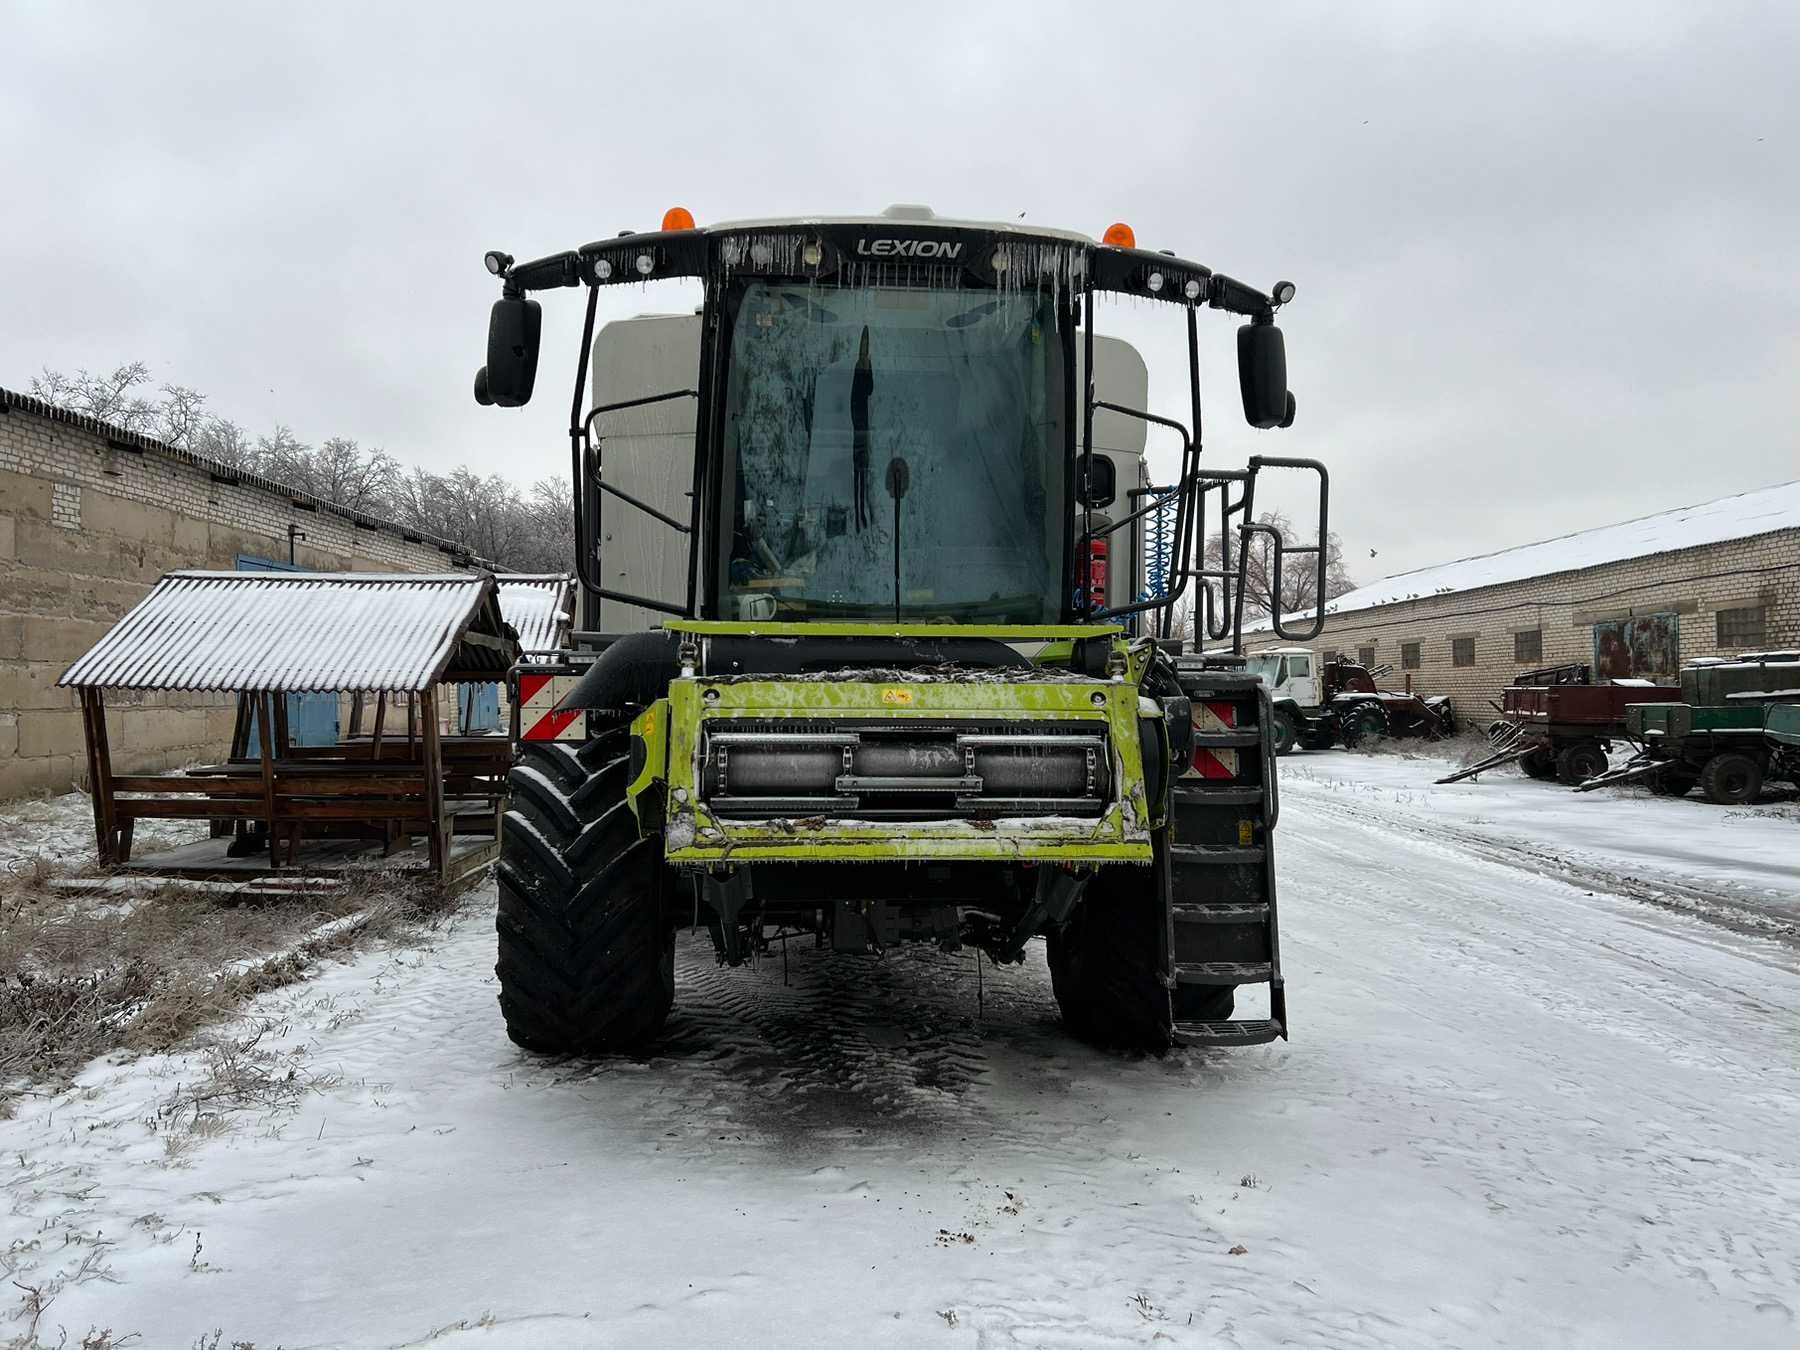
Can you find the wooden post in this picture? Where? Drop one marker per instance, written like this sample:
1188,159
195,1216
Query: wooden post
356,714
239,747
240,729
93,724
281,725
434,786
412,724
380,719
264,714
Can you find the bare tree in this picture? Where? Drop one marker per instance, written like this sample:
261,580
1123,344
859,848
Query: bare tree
1299,575
109,397
345,474
225,442
286,458
179,416
550,526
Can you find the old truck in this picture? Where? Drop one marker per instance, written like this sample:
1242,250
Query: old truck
1557,723
1341,703
1717,735
881,682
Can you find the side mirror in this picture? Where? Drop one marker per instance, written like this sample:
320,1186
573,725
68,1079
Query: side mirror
1262,375
1102,483
512,353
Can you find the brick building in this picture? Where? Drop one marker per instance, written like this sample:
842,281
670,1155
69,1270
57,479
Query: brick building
1634,599
90,517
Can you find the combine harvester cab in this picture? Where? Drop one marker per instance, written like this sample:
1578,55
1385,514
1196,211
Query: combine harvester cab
873,586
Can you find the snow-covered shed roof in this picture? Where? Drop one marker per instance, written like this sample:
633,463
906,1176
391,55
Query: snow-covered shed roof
1737,517
539,606
300,631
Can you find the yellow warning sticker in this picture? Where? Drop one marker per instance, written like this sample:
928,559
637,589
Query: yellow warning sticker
897,697
1246,833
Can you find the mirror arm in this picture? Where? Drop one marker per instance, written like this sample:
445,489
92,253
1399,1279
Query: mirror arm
543,274
1234,297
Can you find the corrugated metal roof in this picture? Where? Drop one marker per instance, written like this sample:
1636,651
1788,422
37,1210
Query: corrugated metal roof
539,606
299,631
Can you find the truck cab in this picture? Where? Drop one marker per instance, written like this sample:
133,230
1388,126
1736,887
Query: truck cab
1288,672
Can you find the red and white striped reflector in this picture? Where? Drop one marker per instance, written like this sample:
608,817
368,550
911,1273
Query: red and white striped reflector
1214,763
538,718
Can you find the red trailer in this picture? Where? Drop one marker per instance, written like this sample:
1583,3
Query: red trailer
1558,724
1570,727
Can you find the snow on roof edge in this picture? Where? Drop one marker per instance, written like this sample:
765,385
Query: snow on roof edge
1740,515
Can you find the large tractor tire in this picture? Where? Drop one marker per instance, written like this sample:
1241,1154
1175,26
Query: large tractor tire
1283,731
1731,779
1579,762
587,955
1365,725
1106,966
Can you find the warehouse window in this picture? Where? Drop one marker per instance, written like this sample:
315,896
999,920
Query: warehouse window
1365,656
1743,627
1409,656
1528,646
1330,655
1462,651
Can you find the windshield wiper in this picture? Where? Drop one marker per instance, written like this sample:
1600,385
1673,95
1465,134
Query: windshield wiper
899,478
862,384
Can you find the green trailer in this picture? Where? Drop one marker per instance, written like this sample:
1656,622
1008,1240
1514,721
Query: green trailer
1726,737
1781,728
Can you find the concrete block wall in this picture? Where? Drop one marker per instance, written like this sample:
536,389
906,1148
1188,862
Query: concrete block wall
88,523
1694,584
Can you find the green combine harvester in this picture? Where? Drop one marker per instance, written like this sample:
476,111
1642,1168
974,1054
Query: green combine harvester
889,670
1729,734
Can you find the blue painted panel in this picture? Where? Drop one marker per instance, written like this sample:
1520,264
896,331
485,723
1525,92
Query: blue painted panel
478,707
312,718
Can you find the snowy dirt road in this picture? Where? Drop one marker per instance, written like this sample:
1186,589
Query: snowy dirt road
1518,1108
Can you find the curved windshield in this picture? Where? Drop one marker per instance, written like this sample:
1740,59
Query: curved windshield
893,453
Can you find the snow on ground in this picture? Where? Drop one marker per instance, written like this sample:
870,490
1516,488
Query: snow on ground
1519,1108
1739,863
60,830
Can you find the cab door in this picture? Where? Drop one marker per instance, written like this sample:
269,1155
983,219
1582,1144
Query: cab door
1297,679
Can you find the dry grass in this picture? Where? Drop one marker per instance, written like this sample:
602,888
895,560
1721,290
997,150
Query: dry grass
1468,745
83,974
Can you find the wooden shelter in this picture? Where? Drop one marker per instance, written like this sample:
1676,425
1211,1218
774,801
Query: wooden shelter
410,796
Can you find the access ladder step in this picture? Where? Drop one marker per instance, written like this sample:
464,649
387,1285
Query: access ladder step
1215,853
1222,913
1227,740
1250,1031
1190,793
1224,972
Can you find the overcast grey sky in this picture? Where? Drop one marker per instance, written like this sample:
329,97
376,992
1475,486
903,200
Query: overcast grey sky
1545,255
